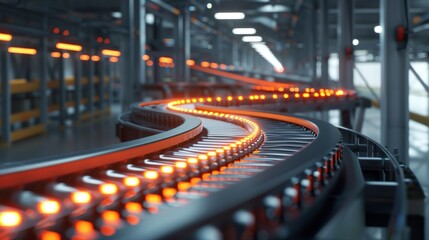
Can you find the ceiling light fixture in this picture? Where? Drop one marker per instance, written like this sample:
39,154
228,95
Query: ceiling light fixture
252,39
355,42
229,15
266,53
378,29
209,5
243,31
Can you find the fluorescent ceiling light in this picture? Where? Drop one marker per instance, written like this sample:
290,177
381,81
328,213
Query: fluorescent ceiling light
266,53
209,5
244,31
355,42
378,29
252,39
229,15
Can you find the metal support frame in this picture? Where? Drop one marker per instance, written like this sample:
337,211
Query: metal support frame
90,84
425,86
5,94
394,81
101,73
324,43
183,48
62,92
43,74
312,38
345,45
77,85
140,44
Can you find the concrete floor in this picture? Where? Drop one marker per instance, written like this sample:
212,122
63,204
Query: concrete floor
86,135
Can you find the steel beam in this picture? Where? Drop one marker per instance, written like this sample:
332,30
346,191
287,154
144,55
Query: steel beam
5,94
394,80
345,45
139,35
183,45
62,92
324,43
43,75
90,85
77,85
312,39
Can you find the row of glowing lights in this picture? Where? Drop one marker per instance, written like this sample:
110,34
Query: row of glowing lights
50,206
12,218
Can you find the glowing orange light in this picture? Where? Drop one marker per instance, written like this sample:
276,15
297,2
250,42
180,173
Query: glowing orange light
339,93
145,57
209,99
68,46
229,98
5,37
10,219
149,63
48,207
114,59
48,235
95,58
66,55
316,94
99,39
205,64
167,169
169,192
214,65
262,97
55,54
66,32
192,160
274,96
84,57
285,95
296,95
153,198
83,227
107,230
183,186
306,95
150,175
211,154
281,89
180,164
218,99
133,220
190,62
195,180
106,41
110,52
108,188
226,148
81,197
202,157
110,216
220,150
240,98
133,207
165,60
222,66
21,50
131,181
56,30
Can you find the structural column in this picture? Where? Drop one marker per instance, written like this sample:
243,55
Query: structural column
312,38
394,80
43,63
133,48
345,45
183,45
5,94
78,85
324,44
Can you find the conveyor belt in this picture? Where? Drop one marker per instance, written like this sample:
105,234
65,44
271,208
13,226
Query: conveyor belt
203,170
